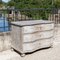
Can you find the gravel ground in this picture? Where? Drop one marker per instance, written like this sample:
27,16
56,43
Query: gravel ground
46,54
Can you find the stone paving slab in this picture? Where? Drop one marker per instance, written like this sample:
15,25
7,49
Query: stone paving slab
46,54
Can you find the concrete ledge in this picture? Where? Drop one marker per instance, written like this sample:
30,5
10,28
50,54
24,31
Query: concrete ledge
5,42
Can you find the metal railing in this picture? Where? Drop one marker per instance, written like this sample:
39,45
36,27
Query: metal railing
4,24
34,14
30,14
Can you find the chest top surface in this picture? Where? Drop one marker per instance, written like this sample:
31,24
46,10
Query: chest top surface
31,22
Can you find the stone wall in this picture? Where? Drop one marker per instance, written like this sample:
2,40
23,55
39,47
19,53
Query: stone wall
5,41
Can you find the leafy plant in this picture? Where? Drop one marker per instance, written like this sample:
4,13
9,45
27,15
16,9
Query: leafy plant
31,4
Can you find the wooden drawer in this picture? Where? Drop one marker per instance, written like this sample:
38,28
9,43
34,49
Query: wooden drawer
46,34
46,43
36,36
42,27
31,37
47,26
37,45
28,29
31,46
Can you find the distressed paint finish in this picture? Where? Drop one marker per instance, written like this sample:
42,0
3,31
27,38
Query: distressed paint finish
28,37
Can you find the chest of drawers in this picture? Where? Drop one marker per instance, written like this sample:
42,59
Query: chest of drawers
28,36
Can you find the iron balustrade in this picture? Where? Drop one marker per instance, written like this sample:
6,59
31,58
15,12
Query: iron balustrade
52,14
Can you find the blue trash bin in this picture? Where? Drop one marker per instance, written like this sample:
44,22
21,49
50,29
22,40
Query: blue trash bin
4,25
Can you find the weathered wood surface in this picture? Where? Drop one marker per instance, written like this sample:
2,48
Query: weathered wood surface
29,36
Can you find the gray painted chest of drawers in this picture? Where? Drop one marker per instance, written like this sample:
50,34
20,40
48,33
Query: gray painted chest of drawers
28,36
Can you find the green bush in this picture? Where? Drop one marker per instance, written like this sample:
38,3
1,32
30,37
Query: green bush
30,4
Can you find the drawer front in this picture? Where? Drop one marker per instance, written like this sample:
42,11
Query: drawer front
46,43
47,26
28,29
29,47
42,27
36,36
31,37
46,34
